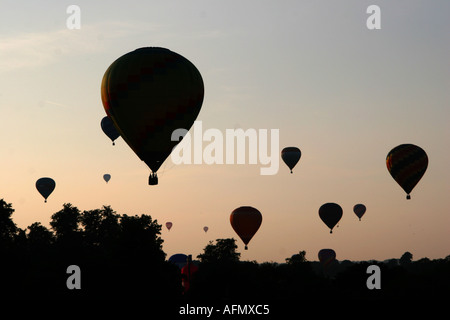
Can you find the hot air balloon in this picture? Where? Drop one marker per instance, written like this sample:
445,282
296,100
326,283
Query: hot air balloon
326,256
290,156
45,186
106,177
205,229
169,225
245,222
330,213
178,259
148,93
407,164
359,209
109,129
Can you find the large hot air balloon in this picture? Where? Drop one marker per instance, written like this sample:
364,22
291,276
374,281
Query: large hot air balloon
169,225
106,177
148,93
290,156
45,186
245,222
407,164
327,256
359,209
205,229
330,213
109,129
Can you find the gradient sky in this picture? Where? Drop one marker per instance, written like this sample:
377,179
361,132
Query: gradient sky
343,94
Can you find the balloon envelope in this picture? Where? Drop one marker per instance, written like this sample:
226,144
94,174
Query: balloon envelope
169,225
359,209
407,164
106,177
109,129
45,186
330,213
205,229
148,93
245,221
178,259
290,156
326,256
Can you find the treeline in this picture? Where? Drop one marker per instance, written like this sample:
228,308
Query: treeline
121,257
223,277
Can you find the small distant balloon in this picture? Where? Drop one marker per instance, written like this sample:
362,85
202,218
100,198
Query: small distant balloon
169,225
106,177
290,156
245,222
109,129
205,229
359,209
330,213
45,186
407,164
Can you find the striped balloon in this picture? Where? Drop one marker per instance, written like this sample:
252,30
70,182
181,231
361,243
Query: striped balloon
326,256
407,164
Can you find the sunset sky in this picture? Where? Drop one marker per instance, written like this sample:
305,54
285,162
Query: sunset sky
345,95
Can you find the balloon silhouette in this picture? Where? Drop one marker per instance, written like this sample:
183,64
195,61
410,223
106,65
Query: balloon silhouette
106,177
205,229
359,210
407,164
169,225
45,186
330,213
109,129
148,94
326,256
290,156
245,221
178,259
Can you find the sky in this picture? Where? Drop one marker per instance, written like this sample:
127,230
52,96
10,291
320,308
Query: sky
342,93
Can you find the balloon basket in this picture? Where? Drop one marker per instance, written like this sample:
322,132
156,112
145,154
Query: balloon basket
153,179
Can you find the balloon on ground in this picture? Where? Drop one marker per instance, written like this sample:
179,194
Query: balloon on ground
148,94
178,259
326,256
245,221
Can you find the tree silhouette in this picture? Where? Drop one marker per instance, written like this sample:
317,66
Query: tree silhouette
8,229
406,258
223,251
121,257
300,257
